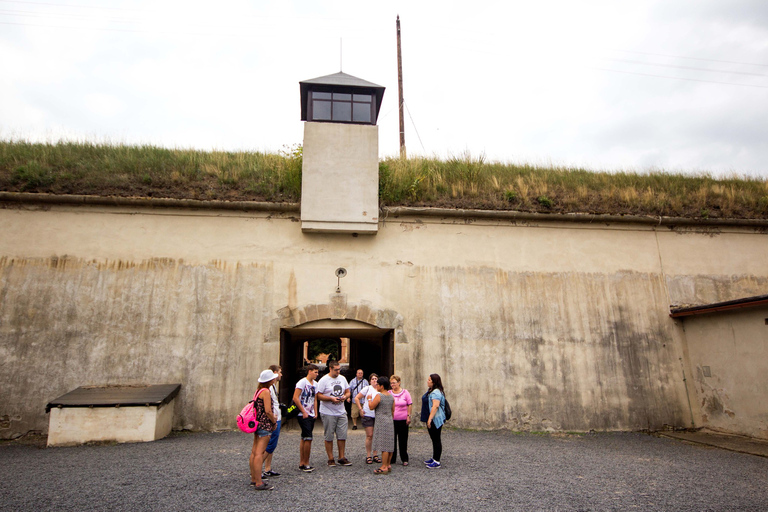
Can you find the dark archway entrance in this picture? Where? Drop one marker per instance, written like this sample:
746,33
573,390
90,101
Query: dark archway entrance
370,348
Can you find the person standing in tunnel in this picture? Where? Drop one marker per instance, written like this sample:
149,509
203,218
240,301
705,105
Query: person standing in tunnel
355,386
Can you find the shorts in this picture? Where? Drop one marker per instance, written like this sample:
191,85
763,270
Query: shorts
260,432
368,421
355,411
335,425
307,426
273,438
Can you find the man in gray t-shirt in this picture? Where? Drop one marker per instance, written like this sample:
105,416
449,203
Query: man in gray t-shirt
332,391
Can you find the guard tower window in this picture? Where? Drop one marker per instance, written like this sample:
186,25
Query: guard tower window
341,107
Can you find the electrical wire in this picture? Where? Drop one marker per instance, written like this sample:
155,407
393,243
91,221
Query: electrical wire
679,78
49,4
691,58
414,126
686,67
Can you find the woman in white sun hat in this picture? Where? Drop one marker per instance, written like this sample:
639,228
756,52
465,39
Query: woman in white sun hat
267,423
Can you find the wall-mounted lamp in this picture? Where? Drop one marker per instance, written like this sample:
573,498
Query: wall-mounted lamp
340,272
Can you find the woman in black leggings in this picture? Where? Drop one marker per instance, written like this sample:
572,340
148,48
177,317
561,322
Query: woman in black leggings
402,418
433,414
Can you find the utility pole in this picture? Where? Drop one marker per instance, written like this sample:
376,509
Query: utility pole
400,90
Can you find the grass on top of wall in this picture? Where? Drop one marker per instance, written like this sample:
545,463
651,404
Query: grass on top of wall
458,182
149,171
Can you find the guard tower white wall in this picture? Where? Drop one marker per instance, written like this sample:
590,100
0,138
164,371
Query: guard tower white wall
340,178
340,173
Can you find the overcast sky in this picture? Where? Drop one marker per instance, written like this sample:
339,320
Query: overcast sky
645,85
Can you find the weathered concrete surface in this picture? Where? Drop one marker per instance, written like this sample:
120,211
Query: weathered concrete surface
340,178
728,356
67,323
533,326
730,442
132,424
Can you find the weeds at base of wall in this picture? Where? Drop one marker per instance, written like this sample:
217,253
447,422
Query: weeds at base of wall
32,438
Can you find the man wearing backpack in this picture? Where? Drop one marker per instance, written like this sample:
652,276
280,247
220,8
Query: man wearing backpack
355,386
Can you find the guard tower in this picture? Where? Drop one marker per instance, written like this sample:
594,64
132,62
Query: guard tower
340,173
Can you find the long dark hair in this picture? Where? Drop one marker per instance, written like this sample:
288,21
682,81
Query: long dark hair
437,383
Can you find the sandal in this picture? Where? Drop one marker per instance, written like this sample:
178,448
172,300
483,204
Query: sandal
377,459
405,463
379,471
369,460
264,487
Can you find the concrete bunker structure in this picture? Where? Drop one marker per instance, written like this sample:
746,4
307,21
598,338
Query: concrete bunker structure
340,174
727,346
534,321
123,414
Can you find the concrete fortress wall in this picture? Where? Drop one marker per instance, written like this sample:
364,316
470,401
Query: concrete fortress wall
728,354
533,325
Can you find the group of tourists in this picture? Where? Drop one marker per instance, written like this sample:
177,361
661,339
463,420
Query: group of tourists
383,406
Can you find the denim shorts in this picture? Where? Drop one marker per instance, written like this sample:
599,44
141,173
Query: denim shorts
260,432
335,425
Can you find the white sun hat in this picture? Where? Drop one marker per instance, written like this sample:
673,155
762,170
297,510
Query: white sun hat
266,376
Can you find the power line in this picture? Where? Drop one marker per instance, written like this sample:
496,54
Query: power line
103,29
678,78
229,34
71,5
174,12
692,58
246,31
414,126
686,67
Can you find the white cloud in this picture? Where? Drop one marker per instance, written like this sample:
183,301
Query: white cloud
591,83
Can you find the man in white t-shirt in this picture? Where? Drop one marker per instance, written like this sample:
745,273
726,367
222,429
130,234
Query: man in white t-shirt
332,391
305,398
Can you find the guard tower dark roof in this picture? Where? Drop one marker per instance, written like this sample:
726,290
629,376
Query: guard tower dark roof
340,98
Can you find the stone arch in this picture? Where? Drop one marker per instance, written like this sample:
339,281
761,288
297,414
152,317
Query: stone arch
337,308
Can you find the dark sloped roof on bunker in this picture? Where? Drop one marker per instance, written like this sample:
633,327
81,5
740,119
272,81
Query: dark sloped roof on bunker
343,79
339,81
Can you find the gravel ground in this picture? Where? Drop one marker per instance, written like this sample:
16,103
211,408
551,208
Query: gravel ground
481,471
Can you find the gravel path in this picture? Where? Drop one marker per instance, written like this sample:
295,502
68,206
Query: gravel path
481,471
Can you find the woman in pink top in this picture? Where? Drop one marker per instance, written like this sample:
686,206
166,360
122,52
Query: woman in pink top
402,418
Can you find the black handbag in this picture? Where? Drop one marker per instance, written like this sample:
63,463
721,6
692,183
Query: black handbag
289,411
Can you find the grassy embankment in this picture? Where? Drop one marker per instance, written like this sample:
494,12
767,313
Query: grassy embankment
459,182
